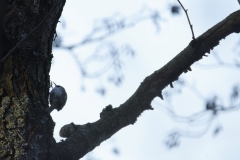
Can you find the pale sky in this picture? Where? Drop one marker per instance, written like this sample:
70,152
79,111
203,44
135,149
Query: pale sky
145,139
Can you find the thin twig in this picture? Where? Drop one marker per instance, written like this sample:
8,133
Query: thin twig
185,10
23,39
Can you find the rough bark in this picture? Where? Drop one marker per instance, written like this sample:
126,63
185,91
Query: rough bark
26,131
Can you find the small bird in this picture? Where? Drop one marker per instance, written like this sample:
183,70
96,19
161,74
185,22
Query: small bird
58,98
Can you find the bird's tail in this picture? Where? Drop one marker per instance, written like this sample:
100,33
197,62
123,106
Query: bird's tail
50,109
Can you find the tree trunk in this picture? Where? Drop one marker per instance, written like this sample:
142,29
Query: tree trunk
26,131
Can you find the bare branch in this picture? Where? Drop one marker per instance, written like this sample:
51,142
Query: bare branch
106,27
191,26
201,119
111,67
85,138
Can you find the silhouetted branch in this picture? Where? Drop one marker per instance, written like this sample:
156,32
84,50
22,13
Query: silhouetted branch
191,26
84,138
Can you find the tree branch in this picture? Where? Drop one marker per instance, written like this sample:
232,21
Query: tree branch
191,26
84,138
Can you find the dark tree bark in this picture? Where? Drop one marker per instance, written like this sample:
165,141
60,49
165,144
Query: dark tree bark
26,130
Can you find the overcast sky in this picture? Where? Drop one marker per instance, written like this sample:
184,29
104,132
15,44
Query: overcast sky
145,139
